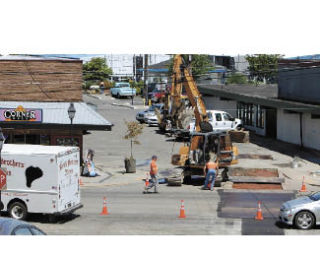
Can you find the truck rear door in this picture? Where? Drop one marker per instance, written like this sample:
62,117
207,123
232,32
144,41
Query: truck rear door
69,174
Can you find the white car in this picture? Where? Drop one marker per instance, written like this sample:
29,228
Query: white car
220,120
149,116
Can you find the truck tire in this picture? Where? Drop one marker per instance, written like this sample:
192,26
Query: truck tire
18,211
205,126
187,180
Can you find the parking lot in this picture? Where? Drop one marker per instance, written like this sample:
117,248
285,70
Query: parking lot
223,211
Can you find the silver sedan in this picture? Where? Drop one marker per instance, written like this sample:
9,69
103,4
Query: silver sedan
303,212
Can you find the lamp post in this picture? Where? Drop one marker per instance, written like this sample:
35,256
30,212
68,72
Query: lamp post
2,139
71,113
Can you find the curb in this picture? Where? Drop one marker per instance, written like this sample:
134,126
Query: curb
130,106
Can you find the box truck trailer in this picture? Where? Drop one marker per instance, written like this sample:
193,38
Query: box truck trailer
40,179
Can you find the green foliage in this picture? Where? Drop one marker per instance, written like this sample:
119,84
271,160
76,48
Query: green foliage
134,129
237,78
200,64
108,84
96,70
138,86
263,67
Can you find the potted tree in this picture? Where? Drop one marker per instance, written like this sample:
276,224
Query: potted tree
134,129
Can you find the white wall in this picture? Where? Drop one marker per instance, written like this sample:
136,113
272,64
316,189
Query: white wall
288,127
311,131
214,103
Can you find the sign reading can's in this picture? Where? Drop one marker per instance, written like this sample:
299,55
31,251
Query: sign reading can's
20,114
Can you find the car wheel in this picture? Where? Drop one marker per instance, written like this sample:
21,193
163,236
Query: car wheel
18,211
304,220
239,127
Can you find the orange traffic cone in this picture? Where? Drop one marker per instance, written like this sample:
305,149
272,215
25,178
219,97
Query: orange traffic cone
147,181
104,209
259,212
303,186
182,213
80,182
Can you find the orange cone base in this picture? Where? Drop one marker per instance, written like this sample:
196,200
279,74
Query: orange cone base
182,214
104,211
303,188
259,216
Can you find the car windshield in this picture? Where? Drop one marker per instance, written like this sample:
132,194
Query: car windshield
315,196
124,85
153,107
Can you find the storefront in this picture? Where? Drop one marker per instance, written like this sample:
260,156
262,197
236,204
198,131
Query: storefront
48,123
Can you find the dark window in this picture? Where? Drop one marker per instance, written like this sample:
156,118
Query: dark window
44,140
260,117
218,117
67,141
32,139
19,139
245,112
315,116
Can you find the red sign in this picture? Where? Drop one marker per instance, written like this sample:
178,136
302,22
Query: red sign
3,180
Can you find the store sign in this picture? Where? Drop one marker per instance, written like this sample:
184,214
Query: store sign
20,114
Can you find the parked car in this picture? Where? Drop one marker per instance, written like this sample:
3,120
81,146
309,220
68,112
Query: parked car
149,116
220,120
10,226
122,89
156,95
303,212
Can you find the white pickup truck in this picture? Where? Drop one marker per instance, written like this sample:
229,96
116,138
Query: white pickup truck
40,179
220,120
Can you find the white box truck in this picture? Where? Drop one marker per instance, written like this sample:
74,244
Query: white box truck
40,179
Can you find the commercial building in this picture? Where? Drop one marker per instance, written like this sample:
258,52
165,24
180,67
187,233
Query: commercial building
35,96
264,111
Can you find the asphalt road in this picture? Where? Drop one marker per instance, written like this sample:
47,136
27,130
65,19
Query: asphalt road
220,212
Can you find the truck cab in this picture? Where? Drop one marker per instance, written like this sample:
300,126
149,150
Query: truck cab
220,120
121,89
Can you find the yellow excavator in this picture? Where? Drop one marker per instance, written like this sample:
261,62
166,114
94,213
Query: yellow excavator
193,155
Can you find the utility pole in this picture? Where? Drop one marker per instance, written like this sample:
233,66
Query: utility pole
145,78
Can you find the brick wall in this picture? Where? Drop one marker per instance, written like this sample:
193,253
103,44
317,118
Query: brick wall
40,80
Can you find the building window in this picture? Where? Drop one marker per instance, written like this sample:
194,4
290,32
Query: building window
315,116
44,140
31,139
245,112
68,141
260,117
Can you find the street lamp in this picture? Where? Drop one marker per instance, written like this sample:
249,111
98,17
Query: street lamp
71,113
2,139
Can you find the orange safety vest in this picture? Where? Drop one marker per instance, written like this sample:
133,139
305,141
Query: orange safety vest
211,166
153,168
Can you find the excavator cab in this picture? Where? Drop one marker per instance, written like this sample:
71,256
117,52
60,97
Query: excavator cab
193,157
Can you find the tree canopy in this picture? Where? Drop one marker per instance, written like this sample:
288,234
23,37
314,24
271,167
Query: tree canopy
200,64
96,70
263,67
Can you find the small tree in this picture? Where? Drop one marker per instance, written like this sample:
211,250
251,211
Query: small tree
134,129
96,70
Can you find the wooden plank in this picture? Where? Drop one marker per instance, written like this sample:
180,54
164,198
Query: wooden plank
247,179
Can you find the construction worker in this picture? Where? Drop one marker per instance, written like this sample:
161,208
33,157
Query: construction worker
154,173
211,167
